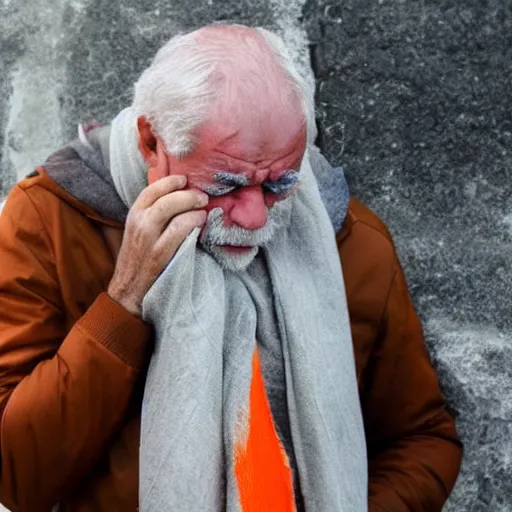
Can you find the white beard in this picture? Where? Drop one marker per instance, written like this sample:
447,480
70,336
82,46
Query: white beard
230,261
215,234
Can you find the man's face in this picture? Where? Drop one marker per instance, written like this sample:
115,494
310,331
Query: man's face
247,174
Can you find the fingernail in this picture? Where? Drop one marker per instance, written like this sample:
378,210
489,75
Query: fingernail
182,181
202,200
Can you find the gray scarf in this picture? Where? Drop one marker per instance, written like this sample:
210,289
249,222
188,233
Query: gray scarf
196,404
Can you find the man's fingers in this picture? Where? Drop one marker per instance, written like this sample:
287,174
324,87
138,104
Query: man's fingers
173,204
158,189
178,229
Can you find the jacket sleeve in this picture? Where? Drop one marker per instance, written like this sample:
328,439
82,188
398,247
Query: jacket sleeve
62,394
414,453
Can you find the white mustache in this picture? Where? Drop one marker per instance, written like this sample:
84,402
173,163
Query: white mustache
215,233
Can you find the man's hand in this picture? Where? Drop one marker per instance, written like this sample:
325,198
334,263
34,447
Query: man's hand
160,219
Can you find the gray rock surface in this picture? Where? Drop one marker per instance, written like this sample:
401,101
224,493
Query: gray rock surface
413,98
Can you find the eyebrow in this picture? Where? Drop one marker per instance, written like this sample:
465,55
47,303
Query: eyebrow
228,178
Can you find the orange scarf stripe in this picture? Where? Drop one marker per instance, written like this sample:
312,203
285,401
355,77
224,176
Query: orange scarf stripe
262,469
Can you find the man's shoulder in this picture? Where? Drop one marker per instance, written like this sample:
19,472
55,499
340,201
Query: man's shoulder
31,180
40,214
365,218
51,200
364,230
27,195
34,193
39,186
368,257
38,222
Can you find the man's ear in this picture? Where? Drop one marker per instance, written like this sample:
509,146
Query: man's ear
147,142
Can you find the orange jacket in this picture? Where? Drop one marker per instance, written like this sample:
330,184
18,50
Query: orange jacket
72,365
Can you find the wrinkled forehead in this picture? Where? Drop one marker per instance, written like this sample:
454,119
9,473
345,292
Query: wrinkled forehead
255,144
261,122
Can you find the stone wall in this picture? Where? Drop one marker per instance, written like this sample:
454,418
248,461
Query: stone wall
414,98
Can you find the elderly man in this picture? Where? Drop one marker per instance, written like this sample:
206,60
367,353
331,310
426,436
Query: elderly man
175,330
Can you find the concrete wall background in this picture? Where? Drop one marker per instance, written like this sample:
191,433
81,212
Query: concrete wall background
414,98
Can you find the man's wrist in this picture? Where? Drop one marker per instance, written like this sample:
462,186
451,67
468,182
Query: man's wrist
125,301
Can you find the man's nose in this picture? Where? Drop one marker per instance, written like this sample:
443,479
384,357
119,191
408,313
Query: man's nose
249,210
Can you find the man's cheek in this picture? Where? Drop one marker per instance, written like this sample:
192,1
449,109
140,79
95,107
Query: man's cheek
155,174
218,202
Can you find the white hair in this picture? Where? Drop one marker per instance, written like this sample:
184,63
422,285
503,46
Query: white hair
175,92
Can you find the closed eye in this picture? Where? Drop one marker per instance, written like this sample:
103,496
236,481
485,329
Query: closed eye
226,182
284,184
218,190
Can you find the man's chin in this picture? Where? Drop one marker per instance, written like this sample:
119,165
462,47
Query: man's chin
234,258
236,250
